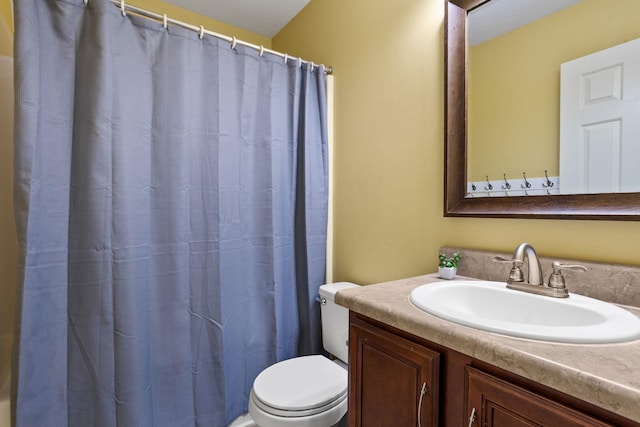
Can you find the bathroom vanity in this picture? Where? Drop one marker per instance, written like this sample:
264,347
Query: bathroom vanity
406,365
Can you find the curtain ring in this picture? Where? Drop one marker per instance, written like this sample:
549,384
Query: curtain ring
261,50
234,42
286,58
122,8
201,33
165,22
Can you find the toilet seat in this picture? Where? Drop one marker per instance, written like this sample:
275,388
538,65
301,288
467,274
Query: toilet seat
300,387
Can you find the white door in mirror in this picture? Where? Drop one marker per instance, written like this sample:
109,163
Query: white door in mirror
599,126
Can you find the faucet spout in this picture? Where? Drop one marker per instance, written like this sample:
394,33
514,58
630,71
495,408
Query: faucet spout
533,262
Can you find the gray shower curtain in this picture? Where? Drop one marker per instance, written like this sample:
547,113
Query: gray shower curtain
171,200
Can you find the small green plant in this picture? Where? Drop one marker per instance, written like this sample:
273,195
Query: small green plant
452,261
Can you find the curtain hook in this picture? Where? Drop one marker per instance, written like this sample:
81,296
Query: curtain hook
165,21
312,65
299,62
234,42
286,58
122,8
261,51
86,2
201,33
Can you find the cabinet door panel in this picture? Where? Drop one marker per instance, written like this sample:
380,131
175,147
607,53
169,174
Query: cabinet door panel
498,416
386,376
501,404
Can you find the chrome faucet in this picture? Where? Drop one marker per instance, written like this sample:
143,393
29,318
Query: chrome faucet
533,262
556,286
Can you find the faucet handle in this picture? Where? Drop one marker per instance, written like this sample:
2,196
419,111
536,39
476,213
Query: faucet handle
557,266
511,260
515,275
556,280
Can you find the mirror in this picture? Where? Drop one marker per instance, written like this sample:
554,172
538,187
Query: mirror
616,206
525,62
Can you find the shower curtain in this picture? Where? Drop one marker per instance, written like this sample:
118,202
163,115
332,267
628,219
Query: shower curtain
171,201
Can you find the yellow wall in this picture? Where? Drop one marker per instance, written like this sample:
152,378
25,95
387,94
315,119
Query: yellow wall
8,240
6,13
521,130
6,28
388,59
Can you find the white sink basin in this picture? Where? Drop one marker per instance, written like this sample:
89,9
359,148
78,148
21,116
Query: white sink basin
492,307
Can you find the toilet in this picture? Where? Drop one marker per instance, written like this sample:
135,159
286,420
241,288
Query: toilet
309,391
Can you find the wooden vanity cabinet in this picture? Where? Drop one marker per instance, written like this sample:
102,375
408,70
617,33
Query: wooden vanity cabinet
497,403
392,381
387,368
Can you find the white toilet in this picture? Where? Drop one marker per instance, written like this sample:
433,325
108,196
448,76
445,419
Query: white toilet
309,391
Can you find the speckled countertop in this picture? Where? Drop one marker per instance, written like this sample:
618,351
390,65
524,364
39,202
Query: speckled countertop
606,375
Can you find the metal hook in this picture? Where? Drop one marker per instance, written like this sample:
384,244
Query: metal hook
527,184
201,33
473,186
233,42
548,184
488,187
506,185
122,8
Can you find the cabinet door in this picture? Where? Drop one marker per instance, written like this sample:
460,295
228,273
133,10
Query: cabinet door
497,403
392,381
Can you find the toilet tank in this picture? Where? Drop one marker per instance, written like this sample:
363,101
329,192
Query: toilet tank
335,321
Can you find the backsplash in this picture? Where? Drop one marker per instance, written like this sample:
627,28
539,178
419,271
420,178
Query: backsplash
615,283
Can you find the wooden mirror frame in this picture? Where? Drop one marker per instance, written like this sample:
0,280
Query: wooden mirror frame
612,206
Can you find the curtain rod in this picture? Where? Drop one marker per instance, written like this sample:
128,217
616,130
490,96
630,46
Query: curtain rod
165,20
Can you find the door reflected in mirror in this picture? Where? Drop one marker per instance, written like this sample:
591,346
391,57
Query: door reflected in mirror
514,99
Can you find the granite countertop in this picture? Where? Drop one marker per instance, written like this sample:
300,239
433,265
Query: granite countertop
606,375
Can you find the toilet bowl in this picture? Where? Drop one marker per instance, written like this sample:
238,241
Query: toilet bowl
309,391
